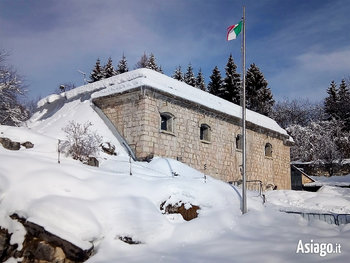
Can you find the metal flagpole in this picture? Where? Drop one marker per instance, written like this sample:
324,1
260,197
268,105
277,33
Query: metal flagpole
244,177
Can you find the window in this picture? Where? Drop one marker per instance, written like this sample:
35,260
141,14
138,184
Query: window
268,150
205,132
166,122
239,142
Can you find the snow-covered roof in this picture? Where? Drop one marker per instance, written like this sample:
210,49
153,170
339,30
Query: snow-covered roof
161,82
150,78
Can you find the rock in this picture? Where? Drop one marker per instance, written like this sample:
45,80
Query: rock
92,161
4,244
27,145
59,255
42,246
129,240
10,145
108,148
6,249
36,249
14,146
179,208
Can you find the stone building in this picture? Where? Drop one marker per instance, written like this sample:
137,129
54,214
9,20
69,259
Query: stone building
160,116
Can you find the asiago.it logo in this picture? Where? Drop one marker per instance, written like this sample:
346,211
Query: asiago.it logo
322,249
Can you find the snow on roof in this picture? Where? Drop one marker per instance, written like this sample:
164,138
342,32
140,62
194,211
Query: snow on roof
330,181
146,77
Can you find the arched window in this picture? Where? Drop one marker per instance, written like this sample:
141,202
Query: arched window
239,142
268,150
166,122
205,132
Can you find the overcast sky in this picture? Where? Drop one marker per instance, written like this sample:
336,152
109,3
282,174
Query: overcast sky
299,45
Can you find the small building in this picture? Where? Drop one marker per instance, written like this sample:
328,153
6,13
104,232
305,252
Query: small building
160,116
299,178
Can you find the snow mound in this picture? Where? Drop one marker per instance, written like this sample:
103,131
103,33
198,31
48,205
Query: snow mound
171,167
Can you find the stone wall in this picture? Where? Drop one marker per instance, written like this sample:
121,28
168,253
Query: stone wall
136,115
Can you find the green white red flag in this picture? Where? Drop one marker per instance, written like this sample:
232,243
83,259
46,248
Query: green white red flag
233,31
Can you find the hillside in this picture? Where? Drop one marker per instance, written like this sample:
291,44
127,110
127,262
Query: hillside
98,207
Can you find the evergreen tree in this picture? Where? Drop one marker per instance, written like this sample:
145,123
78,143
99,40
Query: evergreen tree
97,73
232,82
331,102
189,76
178,74
200,84
215,83
152,64
108,69
344,104
143,62
259,96
160,70
122,66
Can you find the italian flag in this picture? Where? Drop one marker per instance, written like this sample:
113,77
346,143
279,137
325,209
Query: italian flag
233,31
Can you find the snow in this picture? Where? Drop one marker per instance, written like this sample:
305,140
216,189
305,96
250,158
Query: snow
332,181
146,77
328,199
88,205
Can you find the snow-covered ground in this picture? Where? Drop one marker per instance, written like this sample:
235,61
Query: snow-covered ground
85,205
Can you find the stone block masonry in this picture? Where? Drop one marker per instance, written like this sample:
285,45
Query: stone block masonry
136,114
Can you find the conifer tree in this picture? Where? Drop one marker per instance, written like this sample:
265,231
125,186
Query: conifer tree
200,84
343,92
332,101
189,77
151,63
232,82
178,74
122,66
344,104
215,83
97,73
259,96
143,62
108,69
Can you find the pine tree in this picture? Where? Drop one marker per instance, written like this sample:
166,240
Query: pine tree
122,66
200,84
189,76
97,73
259,96
331,102
152,64
143,62
215,83
344,104
178,74
108,69
232,82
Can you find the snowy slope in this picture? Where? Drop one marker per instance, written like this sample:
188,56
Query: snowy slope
87,205
96,205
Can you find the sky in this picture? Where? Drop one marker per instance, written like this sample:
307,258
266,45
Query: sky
300,46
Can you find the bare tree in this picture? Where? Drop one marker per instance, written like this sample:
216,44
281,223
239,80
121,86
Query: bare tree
81,142
12,112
